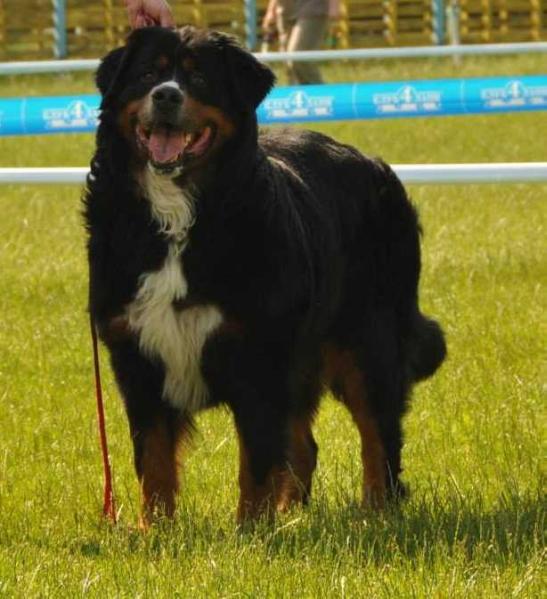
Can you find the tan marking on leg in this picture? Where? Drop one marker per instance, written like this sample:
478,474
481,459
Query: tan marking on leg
374,460
340,368
159,476
302,459
256,500
116,329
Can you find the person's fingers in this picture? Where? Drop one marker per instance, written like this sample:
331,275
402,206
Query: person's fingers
149,21
147,14
140,21
133,10
166,18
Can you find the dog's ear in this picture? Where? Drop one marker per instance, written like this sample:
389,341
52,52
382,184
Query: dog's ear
108,77
108,74
251,80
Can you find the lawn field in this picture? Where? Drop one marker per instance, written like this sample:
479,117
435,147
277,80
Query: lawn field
474,459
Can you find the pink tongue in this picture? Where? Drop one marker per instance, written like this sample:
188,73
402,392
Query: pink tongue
165,146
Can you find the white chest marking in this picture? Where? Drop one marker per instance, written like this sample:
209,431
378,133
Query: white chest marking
172,208
176,337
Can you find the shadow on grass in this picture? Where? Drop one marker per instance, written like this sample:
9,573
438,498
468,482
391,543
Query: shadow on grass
513,529
510,530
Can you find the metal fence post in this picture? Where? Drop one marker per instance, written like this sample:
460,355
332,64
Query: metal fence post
59,28
439,28
250,24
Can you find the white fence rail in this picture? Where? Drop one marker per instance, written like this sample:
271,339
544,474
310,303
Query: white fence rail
60,66
423,174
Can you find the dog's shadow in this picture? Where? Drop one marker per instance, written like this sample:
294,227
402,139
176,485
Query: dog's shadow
510,528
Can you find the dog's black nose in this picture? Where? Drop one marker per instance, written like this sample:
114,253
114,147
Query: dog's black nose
167,97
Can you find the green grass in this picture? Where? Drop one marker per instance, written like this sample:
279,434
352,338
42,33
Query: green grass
475,435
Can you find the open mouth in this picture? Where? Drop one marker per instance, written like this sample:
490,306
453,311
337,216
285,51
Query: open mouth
168,149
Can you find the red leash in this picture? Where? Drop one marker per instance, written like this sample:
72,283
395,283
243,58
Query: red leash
109,507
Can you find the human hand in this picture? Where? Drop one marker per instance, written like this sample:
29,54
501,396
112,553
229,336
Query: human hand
270,19
144,13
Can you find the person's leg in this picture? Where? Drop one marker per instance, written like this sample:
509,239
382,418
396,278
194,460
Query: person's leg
308,33
284,25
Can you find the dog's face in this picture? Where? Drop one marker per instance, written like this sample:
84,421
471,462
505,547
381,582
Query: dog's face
178,96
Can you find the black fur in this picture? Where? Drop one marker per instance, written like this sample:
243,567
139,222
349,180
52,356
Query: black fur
302,243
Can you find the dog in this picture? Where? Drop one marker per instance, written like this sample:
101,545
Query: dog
254,270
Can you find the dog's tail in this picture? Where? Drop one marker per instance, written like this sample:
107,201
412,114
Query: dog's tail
426,348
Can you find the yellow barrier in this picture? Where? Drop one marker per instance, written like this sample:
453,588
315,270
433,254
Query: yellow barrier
26,26
503,20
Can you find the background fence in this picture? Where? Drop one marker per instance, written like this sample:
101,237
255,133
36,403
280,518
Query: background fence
28,27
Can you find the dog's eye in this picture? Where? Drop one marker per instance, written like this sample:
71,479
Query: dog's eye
148,77
197,79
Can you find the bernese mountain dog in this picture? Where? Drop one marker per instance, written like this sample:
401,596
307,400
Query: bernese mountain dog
254,270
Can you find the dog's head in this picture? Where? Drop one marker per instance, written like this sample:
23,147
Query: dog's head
178,96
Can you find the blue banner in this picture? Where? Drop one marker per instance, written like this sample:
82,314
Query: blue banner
57,114
345,101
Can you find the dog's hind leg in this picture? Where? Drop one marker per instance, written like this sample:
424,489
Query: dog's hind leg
376,414
302,459
261,477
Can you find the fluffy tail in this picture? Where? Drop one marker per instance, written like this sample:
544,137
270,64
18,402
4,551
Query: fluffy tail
427,348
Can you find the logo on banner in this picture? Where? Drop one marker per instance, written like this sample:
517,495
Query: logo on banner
408,99
298,105
514,94
77,115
